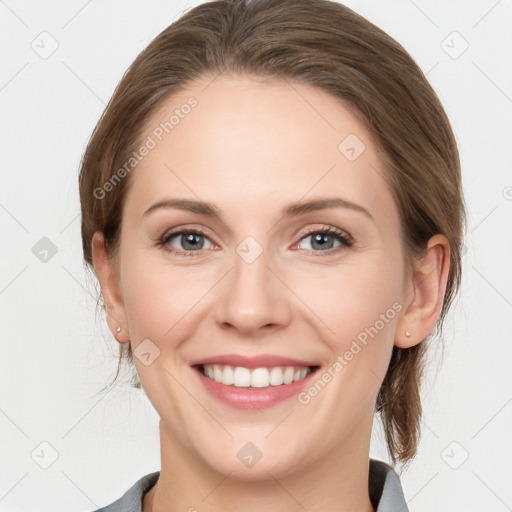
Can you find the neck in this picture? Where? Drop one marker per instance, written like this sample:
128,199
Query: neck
335,482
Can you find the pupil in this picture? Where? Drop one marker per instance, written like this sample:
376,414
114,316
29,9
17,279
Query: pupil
191,242
320,239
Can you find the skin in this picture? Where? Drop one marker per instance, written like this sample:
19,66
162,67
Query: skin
251,147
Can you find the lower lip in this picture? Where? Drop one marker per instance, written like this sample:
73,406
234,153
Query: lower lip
253,399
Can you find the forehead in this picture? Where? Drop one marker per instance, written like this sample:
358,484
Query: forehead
234,140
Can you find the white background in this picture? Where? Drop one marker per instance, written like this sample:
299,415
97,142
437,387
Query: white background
56,355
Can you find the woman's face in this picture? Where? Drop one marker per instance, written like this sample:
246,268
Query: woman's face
261,280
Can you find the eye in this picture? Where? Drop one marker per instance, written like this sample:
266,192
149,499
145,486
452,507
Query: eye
189,242
186,241
324,240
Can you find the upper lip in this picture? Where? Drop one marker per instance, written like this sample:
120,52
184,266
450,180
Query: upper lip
260,361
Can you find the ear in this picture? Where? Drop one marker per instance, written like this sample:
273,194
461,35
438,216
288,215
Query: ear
109,281
424,294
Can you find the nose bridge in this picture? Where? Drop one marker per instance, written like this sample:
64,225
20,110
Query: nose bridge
252,296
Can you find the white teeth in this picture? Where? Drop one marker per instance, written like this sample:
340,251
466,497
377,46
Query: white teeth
260,378
241,377
217,373
288,375
257,377
228,376
276,376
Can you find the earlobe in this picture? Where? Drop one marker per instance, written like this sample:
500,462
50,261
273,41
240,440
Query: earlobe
109,283
425,296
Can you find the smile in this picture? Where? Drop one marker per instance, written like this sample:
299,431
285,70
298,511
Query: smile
242,377
253,382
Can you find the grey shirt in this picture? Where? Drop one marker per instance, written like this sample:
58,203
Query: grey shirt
384,487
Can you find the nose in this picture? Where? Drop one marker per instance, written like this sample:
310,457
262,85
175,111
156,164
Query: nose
254,299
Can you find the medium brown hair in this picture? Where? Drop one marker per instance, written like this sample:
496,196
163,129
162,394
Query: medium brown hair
324,44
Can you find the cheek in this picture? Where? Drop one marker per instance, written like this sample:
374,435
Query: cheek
350,298
356,308
157,300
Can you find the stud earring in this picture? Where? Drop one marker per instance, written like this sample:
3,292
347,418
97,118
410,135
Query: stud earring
408,334
118,329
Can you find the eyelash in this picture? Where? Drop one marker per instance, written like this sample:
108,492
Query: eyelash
344,238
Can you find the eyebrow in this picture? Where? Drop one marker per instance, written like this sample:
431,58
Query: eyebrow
291,210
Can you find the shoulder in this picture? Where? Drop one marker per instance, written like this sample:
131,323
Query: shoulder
385,489
131,500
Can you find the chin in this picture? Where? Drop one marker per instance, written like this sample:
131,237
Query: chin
264,469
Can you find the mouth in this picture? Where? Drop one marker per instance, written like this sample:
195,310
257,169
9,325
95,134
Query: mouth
253,383
262,377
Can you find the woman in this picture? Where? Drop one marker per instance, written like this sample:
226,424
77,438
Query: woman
272,205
